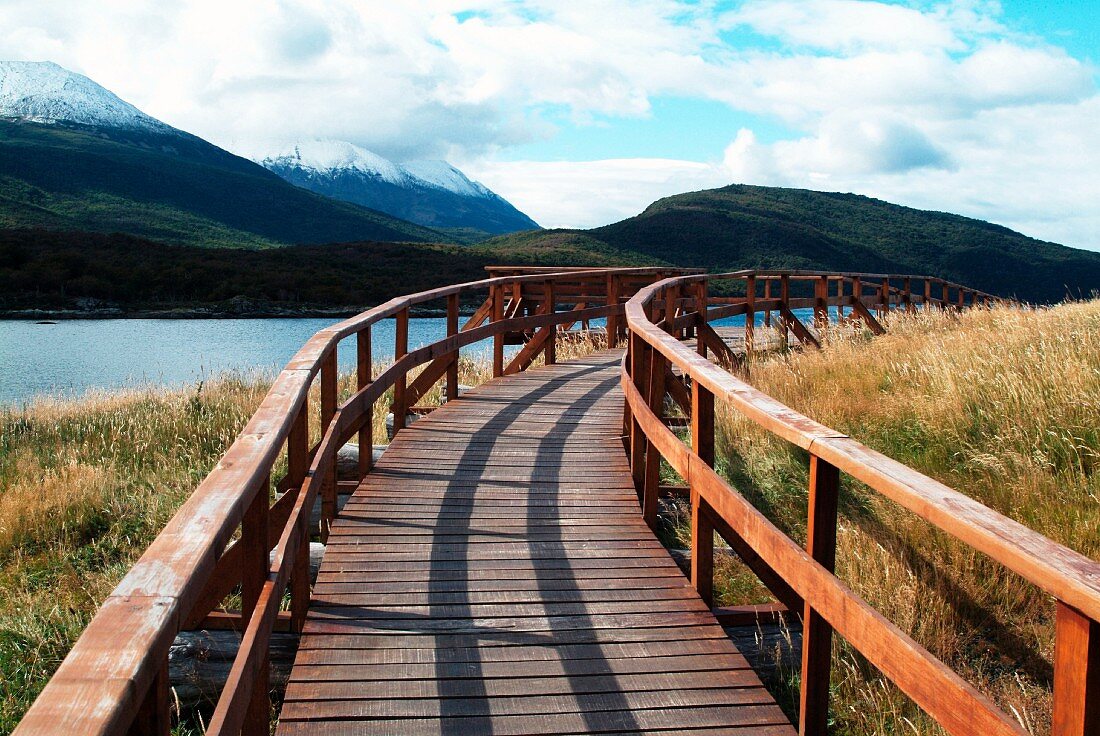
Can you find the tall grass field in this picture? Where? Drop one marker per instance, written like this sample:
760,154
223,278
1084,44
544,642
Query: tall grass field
1002,404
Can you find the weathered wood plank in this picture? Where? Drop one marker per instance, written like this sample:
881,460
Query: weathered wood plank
494,574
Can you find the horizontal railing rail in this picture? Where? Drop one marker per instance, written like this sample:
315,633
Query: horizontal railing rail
229,537
659,364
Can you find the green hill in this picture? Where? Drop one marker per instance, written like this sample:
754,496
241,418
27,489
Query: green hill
742,226
171,187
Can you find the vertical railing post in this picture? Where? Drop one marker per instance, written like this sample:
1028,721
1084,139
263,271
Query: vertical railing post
817,634
1076,674
328,411
702,529
785,302
549,307
612,287
701,310
857,296
400,349
364,374
884,299
254,570
658,365
297,454
498,339
750,313
927,294
962,298
452,330
946,301
670,297
767,297
821,303
154,716
840,299
638,371
907,295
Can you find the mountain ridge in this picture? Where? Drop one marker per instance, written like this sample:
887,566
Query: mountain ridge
745,226
44,92
429,193
75,156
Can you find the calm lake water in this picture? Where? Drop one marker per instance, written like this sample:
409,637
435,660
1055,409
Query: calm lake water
73,356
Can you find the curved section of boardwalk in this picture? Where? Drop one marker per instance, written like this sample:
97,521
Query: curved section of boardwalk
493,576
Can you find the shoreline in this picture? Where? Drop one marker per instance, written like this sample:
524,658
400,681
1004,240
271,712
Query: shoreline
65,315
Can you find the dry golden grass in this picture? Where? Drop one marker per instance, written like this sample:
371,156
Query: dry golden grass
86,484
1004,406
84,487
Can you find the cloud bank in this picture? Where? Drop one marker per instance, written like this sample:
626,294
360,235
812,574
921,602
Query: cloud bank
942,105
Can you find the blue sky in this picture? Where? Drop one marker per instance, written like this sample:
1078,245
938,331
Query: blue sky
582,112
695,128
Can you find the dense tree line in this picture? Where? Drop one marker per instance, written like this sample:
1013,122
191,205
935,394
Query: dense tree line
62,270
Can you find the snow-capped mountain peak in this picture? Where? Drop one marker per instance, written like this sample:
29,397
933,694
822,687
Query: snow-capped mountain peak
444,176
43,92
327,156
431,193
332,156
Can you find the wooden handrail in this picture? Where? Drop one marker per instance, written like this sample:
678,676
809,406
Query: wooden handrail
655,348
114,680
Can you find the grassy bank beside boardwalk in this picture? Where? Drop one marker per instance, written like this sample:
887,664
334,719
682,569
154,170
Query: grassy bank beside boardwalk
87,483
1003,405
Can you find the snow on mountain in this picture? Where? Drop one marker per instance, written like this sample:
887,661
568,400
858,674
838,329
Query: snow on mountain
43,92
430,193
330,156
441,174
327,156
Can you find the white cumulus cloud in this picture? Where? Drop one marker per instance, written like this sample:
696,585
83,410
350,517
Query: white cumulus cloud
940,104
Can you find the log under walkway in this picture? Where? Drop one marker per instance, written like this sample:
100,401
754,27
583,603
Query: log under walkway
493,575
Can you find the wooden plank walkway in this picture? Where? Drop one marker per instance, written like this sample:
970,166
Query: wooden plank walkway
493,575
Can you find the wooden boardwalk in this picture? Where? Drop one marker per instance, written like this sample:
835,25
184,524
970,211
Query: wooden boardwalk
493,575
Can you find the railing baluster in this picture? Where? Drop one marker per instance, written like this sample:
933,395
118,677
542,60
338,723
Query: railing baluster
452,330
638,370
945,302
363,376
658,364
254,538
907,296
750,314
1076,674
498,339
400,349
702,528
927,294
612,288
785,300
701,310
821,303
154,716
817,634
329,369
551,349
297,449
768,296
884,299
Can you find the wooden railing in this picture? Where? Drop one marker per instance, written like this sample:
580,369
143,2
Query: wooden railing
230,538
659,364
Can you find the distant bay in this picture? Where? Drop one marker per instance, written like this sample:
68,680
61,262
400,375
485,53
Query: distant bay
70,357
